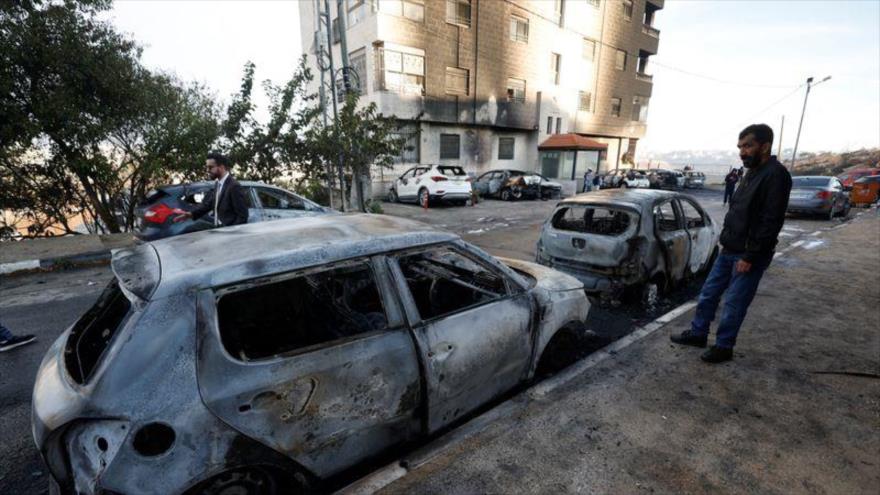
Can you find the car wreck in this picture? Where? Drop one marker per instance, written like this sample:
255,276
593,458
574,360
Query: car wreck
218,362
508,184
629,238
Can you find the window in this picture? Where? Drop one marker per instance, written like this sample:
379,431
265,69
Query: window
585,100
558,125
559,11
692,216
401,72
640,109
615,107
627,6
664,217
555,65
450,146
335,30
357,11
458,12
411,147
313,308
593,3
279,200
456,81
505,148
443,281
91,334
549,125
516,90
452,171
589,49
591,220
620,60
410,9
519,29
358,61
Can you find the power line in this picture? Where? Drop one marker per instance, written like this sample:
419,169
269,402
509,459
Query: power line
721,81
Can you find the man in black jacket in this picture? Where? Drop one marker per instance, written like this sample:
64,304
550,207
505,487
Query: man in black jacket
226,201
751,230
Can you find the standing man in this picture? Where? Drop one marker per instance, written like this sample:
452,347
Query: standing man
751,230
226,201
588,180
730,181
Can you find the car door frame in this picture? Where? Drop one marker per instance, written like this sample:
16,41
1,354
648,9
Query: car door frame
281,401
401,181
702,239
441,410
670,242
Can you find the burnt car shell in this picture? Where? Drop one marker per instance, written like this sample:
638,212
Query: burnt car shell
143,394
624,246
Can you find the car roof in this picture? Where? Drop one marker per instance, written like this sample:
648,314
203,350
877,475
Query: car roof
229,255
634,198
813,177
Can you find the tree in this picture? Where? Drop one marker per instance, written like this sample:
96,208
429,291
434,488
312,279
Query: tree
361,138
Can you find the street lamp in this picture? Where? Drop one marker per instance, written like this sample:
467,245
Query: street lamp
801,124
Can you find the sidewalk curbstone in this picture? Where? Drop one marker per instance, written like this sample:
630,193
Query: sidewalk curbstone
89,258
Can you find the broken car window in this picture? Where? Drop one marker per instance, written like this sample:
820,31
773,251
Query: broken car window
442,281
451,171
300,312
592,220
664,217
692,216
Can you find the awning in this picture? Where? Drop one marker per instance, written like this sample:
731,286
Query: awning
571,142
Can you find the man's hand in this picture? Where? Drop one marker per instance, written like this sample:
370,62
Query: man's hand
743,266
183,216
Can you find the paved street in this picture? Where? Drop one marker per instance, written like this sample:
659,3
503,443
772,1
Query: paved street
46,303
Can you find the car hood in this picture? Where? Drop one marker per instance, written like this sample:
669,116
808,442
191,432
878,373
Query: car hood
550,183
546,278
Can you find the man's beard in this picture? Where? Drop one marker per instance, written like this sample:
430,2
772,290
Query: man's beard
749,161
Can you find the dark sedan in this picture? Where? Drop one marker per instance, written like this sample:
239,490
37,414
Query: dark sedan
818,195
265,202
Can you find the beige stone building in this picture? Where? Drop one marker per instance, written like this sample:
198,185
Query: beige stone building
493,79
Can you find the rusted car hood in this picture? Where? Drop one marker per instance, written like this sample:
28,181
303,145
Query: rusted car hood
547,278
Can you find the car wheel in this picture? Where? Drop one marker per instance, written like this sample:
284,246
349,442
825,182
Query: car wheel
247,481
392,196
505,195
831,213
516,192
424,198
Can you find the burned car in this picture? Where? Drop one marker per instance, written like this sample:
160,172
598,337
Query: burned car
508,184
261,358
629,238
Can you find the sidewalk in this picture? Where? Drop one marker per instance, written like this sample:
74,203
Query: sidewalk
31,254
797,411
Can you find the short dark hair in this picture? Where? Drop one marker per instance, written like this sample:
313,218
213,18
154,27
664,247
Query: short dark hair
762,132
219,158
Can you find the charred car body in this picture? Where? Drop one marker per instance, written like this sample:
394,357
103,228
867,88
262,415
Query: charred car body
509,184
615,239
217,362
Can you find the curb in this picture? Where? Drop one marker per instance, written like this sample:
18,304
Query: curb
90,257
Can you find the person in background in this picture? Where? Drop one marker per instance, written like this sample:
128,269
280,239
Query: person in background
9,341
750,233
227,200
598,181
730,181
588,181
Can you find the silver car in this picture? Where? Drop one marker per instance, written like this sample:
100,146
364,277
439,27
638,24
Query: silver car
261,358
622,238
818,195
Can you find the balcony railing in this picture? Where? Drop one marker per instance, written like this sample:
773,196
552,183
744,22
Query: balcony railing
641,76
650,31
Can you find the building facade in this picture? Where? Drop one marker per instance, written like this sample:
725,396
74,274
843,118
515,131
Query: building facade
490,80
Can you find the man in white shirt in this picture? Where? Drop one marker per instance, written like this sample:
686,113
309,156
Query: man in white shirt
226,201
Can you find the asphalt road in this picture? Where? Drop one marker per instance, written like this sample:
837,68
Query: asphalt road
45,304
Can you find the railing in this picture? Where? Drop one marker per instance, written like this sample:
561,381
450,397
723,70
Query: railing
650,31
641,76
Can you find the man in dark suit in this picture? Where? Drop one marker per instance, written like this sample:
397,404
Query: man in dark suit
226,201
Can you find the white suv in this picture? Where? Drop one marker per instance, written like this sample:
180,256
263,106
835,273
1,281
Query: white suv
430,184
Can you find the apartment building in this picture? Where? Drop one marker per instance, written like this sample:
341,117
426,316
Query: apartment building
491,81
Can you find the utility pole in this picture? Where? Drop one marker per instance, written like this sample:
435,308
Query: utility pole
341,17
803,111
779,148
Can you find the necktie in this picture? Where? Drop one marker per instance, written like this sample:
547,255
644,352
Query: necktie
216,201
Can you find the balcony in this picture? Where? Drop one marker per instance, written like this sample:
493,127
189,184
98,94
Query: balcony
641,76
651,31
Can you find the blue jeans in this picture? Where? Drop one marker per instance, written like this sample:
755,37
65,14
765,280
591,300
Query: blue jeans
5,334
740,290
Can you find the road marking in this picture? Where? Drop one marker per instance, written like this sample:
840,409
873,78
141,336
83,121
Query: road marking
818,232
19,265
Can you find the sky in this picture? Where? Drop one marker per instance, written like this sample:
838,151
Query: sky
722,64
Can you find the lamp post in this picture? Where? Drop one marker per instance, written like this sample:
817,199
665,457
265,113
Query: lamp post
803,111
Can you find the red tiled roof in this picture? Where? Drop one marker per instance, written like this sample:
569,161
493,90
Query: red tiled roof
571,142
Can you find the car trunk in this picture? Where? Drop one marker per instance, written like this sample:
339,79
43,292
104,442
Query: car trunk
593,236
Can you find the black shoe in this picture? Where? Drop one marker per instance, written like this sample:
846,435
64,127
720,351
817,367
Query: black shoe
717,354
16,341
688,337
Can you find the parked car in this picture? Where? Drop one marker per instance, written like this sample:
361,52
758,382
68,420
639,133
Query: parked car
260,358
625,178
818,195
849,178
865,191
507,184
265,202
679,179
432,184
633,238
659,178
694,180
